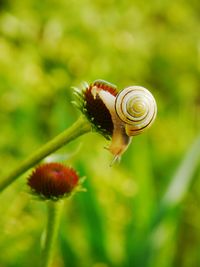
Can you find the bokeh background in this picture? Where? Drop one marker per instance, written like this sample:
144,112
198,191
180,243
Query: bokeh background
144,211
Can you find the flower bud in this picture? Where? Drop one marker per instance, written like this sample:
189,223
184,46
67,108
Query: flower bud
96,102
53,180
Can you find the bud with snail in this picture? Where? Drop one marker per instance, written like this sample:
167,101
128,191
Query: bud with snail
117,115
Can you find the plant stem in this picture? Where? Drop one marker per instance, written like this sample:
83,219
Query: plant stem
80,127
53,220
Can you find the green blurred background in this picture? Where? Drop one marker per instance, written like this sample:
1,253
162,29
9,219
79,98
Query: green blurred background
144,211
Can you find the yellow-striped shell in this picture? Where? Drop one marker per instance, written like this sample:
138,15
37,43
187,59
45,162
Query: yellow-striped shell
137,108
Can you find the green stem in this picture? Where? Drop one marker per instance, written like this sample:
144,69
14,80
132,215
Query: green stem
80,127
53,220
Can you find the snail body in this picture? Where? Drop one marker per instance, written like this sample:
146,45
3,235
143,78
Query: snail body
118,115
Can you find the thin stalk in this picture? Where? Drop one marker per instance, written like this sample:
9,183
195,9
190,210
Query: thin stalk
53,221
80,127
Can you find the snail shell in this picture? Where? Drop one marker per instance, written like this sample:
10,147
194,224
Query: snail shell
136,107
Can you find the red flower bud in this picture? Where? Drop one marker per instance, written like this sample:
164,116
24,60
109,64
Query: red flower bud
53,180
91,102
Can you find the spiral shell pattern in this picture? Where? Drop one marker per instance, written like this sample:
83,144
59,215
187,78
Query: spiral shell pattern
136,107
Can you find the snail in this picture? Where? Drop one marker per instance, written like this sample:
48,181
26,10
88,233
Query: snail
117,115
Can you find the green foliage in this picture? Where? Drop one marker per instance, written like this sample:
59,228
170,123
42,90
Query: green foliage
143,211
